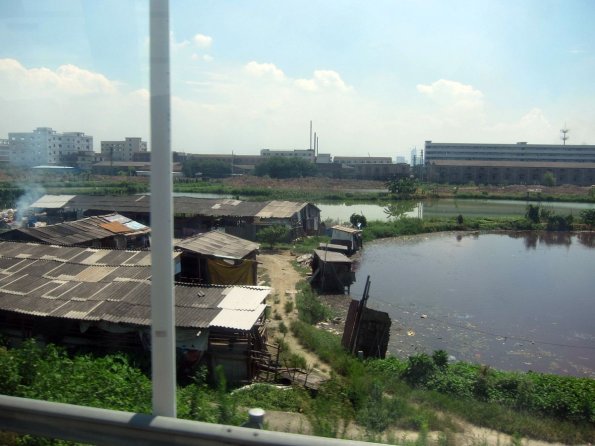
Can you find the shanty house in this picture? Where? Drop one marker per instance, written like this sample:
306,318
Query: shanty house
218,258
349,237
331,271
195,215
106,231
100,299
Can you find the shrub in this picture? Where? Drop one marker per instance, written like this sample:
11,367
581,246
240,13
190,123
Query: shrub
420,368
273,235
310,309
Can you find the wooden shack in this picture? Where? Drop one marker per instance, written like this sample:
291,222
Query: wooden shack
112,231
194,215
348,237
368,333
331,271
218,258
100,300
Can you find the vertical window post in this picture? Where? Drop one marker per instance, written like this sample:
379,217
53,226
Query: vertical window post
162,274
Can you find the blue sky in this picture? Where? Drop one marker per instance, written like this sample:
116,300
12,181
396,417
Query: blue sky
374,77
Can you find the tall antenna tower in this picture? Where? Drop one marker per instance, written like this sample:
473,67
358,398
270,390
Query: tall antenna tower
564,134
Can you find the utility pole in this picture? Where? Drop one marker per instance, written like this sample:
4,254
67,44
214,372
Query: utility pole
564,134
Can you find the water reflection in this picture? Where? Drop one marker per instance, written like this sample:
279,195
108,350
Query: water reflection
400,208
518,301
550,238
587,239
442,208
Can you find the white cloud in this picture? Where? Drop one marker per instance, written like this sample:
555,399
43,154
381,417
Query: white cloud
266,107
452,93
323,79
202,41
69,98
204,57
177,45
267,70
18,82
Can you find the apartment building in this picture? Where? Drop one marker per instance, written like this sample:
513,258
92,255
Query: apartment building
4,151
46,146
122,150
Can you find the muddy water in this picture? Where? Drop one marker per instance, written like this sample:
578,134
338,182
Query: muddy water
515,302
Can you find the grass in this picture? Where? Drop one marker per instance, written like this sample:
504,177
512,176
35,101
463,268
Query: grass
380,399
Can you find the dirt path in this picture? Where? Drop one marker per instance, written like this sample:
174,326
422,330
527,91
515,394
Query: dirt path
283,278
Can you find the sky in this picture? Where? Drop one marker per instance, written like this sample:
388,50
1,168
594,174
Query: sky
375,78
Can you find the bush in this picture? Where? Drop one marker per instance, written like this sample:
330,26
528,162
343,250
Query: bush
420,368
310,309
273,235
559,223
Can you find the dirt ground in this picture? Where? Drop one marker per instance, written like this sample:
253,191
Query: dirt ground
283,278
443,190
277,270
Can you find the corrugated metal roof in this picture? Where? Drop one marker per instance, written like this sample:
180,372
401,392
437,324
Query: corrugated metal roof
76,232
331,257
115,227
206,207
218,244
13,252
52,201
239,320
243,299
280,209
116,294
346,229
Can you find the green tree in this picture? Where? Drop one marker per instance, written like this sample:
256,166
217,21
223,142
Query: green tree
402,186
532,213
279,167
399,208
273,235
358,218
549,179
588,217
208,168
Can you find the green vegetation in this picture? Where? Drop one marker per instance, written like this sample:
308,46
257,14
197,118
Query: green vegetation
588,217
549,179
279,167
272,235
536,218
358,220
9,195
405,393
402,187
311,310
383,393
206,168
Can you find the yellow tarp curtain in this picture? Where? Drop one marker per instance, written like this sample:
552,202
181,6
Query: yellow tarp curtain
223,273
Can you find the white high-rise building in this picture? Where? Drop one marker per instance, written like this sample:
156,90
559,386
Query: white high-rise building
45,146
4,151
122,150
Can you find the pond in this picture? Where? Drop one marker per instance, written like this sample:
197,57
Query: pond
521,301
445,207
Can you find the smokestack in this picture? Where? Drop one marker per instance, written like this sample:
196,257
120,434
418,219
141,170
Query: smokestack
317,146
310,134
